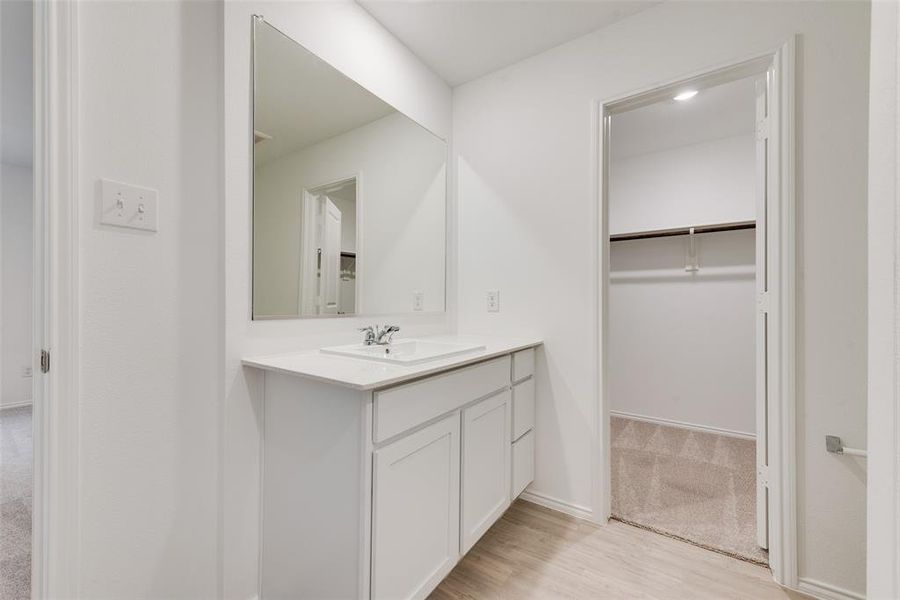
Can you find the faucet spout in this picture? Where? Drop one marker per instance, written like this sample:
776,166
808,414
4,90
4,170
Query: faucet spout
383,335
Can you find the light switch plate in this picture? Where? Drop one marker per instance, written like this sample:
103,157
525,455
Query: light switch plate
418,301
493,301
124,205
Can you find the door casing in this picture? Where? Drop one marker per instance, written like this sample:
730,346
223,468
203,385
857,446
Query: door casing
779,66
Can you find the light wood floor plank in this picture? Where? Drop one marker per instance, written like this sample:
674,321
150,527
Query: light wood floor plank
534,552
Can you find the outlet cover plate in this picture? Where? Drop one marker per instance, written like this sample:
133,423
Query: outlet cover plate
493,301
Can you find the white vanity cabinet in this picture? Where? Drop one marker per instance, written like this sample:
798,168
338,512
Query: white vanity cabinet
376,491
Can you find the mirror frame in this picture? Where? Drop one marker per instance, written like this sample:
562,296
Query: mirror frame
256,19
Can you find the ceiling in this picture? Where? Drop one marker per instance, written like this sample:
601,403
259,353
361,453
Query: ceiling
16,89
462,40
301,100
717,112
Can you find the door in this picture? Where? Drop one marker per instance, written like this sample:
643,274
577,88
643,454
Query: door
330,258
415,511
486,465
308,290
762,317
320,256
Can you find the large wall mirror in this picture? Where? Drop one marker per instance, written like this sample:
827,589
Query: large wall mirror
349,195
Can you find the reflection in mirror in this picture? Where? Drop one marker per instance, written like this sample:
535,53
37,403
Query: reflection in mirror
348,193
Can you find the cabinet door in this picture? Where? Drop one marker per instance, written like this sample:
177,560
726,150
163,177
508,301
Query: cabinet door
415,518
486,465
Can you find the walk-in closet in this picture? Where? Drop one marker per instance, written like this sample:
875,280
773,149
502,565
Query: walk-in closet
683,321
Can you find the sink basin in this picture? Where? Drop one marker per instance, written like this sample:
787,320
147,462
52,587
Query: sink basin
403,352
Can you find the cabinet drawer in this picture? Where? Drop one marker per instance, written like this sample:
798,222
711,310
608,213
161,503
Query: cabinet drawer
523,364
406,406
522,463
523,407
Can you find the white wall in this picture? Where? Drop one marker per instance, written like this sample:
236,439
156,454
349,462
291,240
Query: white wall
884,305
682,344
16,304
149,106
522,138
351,40
401,197
707,182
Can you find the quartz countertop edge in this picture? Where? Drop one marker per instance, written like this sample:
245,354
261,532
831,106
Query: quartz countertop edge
362,374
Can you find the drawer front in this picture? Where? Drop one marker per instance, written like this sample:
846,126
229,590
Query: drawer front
522,463
523,408
523,364
404,407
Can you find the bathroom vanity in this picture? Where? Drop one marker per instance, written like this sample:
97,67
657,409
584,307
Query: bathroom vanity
382,462
378,476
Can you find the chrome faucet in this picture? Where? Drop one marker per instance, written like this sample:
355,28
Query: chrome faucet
379,334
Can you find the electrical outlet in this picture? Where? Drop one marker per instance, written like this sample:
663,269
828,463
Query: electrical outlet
125,205
418,300
26,371
493,301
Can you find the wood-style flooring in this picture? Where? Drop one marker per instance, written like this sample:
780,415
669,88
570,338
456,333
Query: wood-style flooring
534,552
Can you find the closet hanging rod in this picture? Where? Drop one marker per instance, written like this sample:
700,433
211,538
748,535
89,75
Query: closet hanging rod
660,233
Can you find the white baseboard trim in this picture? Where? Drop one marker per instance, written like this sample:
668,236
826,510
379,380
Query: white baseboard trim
693,426
574,510
15,404
826,591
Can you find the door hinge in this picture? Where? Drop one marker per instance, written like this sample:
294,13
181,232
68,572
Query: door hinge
45,361
762,129
762,302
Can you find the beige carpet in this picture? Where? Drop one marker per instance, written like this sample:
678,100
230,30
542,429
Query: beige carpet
696,486
15,503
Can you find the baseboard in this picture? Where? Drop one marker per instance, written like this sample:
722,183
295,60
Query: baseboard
15,404
693,426
825,591
574,510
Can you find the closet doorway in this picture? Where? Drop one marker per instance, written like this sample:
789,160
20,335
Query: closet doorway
695,311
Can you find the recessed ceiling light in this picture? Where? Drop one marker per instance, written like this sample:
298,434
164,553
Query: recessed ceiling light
685,95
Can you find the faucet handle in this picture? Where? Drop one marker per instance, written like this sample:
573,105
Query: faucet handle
370,334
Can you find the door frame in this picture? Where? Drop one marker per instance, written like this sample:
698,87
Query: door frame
55,525
782,227
883,436
306,192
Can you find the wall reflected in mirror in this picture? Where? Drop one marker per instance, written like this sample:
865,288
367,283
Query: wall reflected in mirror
349,195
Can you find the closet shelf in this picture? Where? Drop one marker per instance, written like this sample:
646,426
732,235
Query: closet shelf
660,233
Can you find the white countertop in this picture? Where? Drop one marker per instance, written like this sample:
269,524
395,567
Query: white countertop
362,374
